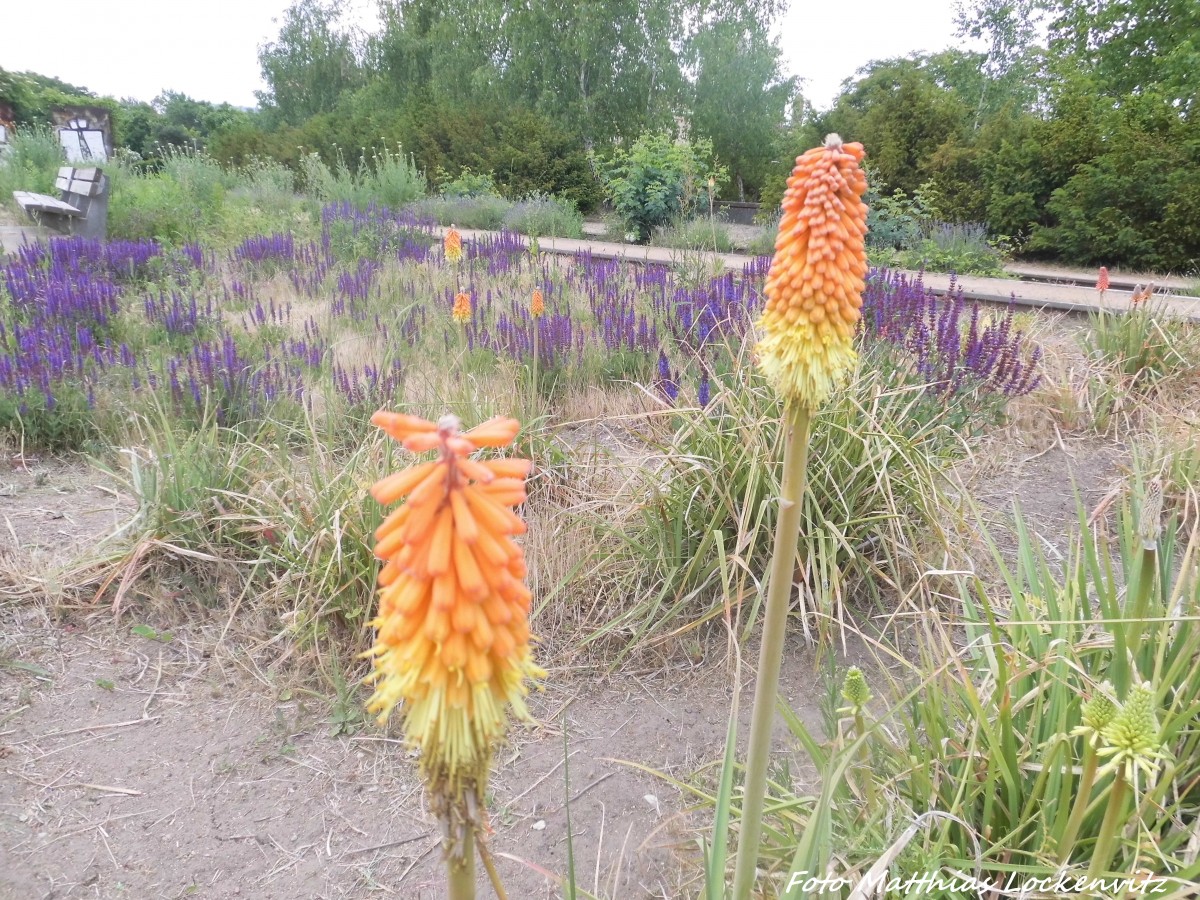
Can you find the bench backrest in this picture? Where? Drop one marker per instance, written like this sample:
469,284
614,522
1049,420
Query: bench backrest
79,182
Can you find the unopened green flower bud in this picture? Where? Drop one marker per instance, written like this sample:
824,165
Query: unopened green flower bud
1100,710
854,688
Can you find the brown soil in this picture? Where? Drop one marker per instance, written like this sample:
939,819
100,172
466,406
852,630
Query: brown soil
137,763
162,760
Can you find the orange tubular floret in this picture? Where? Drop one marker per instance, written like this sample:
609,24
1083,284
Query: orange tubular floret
400,426
497,432
509,468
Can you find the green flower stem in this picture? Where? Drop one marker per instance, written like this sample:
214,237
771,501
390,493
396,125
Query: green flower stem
1083,793
533,378
1110,828
460,869
779,589
1141,601
864,759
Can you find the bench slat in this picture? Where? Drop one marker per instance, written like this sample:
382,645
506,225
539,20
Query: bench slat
83,188
62,183
28,200
65,171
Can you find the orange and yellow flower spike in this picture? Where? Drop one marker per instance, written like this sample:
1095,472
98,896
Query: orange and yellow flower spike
537,304
452,644
462,308
815,284
452,244
814,292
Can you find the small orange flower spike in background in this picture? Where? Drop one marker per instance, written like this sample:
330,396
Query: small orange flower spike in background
453,245
815,284
537,305
1102,281
1141,294
462,308
452,644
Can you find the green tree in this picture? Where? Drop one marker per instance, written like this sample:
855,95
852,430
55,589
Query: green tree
1133,46
1010,30
738,68
311,64
901,116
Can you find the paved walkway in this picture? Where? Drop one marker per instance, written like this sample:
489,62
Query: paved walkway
1039,295
13,236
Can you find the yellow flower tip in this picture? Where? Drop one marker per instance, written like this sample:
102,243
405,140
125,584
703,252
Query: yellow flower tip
537,305
452,646
462,308
452,244
817,277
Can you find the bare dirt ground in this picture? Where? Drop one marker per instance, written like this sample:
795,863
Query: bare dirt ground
155,761
143,761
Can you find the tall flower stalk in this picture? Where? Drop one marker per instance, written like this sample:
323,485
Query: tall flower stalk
814,293
452,634
537,309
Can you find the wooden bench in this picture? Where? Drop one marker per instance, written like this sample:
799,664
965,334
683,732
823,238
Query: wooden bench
82,209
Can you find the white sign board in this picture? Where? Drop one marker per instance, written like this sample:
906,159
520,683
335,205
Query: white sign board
83,144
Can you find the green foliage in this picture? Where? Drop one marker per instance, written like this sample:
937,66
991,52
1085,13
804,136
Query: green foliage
311,63
66,425
701,233
30,163
1145,343
871,488
173,121
657,181
466,185
1137,201
998,731
540,215
181,202
32,96
901,116
961,249
385,178
739,68
485,213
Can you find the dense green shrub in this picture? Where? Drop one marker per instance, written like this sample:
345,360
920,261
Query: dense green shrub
1137,203
657,181
180,203
466,184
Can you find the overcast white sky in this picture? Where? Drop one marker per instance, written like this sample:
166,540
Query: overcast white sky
208,48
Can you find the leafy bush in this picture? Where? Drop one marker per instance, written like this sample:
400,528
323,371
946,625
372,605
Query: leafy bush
657,181
540,215
180,203
466,184
1137,202
963,249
